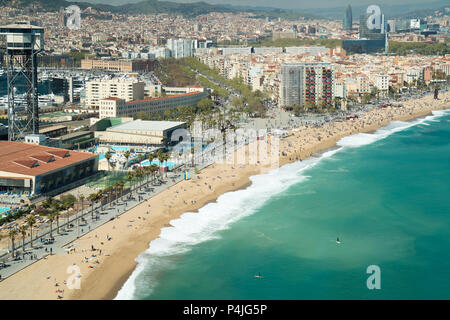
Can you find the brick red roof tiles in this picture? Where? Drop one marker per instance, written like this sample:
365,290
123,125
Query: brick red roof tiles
30,160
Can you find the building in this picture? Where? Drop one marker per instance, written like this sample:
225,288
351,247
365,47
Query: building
363,86
303,83
180,90
313,50
124,88
53,131
141,132
36,169
364,46
180,48
115,107
119,65
348,19
291,34
381,82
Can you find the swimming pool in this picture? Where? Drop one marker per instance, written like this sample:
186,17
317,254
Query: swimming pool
4,210
119,148
101,156
167,163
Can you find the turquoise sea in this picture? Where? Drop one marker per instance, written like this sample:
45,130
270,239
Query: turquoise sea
386,196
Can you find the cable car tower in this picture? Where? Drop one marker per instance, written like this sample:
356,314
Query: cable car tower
23,42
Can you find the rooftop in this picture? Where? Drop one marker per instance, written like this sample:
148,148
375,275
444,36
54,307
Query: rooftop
141,125
34,160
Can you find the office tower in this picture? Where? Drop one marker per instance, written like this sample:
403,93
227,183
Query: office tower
348,19
303,83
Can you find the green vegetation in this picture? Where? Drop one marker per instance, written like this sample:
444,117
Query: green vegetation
217,90
405,48
173,73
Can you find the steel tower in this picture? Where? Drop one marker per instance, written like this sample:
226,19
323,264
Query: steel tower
23,43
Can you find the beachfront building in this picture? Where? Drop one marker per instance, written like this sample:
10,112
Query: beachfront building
303,83
116,107
36,169
381,82
140,132
124,88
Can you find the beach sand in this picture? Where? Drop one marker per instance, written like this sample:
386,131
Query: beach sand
130,234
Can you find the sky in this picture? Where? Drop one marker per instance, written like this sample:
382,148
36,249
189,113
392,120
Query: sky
286,4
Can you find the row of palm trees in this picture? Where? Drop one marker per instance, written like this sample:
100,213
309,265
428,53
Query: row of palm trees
52,209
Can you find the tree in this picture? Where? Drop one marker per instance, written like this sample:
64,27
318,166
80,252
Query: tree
205,104
12,235
92,198
127,155
23,231
51,218
108,156
31,221
130,176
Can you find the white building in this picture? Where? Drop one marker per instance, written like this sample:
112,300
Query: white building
180,48
381,82
124,88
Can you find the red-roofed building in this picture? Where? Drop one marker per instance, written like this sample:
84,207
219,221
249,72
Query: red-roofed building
40,169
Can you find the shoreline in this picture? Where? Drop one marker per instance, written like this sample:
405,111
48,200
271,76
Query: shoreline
104,280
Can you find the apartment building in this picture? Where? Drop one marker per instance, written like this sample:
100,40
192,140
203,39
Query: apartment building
303,83
127,89
381,82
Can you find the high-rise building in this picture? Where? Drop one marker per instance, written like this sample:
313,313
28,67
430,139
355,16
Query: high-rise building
303,83
180,48
348,18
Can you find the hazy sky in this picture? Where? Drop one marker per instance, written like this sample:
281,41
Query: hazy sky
307,3
287,3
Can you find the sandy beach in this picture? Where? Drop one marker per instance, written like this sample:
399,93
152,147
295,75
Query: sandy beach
119,242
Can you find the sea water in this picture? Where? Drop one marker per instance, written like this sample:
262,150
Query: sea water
386,196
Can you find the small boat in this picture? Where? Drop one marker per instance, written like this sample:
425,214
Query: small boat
258,276
338,241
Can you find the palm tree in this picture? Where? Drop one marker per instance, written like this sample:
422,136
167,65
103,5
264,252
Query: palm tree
23,231
130,176
51,218
92,198
31,221
12,235
139,174
108,156
81,198
127,155
57,214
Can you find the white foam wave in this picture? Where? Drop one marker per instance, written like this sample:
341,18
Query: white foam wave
193,228
361,139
